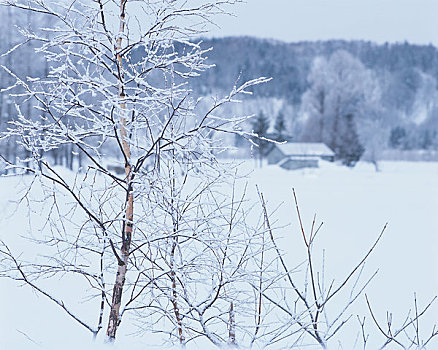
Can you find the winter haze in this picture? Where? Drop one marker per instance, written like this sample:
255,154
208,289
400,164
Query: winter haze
271,183
298,20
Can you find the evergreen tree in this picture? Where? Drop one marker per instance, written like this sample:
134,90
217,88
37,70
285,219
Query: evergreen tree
398,137
280,128
349,149
260,126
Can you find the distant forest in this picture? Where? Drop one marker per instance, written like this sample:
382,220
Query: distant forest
348,94
403,66
358,97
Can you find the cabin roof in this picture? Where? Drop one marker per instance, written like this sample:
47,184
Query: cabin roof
305,149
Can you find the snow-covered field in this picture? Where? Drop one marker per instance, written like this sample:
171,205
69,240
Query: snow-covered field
354,205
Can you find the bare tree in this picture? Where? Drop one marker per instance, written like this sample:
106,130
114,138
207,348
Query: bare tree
341,94
407,335
117,89
165,239
312,317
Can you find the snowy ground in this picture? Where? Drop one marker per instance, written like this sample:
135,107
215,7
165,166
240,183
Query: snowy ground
354,205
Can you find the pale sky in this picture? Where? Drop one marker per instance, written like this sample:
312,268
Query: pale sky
415,21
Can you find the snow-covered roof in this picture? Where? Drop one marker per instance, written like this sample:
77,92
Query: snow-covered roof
305,149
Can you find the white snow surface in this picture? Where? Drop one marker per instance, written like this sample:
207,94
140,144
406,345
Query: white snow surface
354,205
305,149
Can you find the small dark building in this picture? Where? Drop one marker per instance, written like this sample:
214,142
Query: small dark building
296,155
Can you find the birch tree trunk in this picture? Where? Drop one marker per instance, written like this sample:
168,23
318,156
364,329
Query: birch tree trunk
97,97
114,319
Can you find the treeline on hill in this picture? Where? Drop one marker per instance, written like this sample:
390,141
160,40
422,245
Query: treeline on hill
358,97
